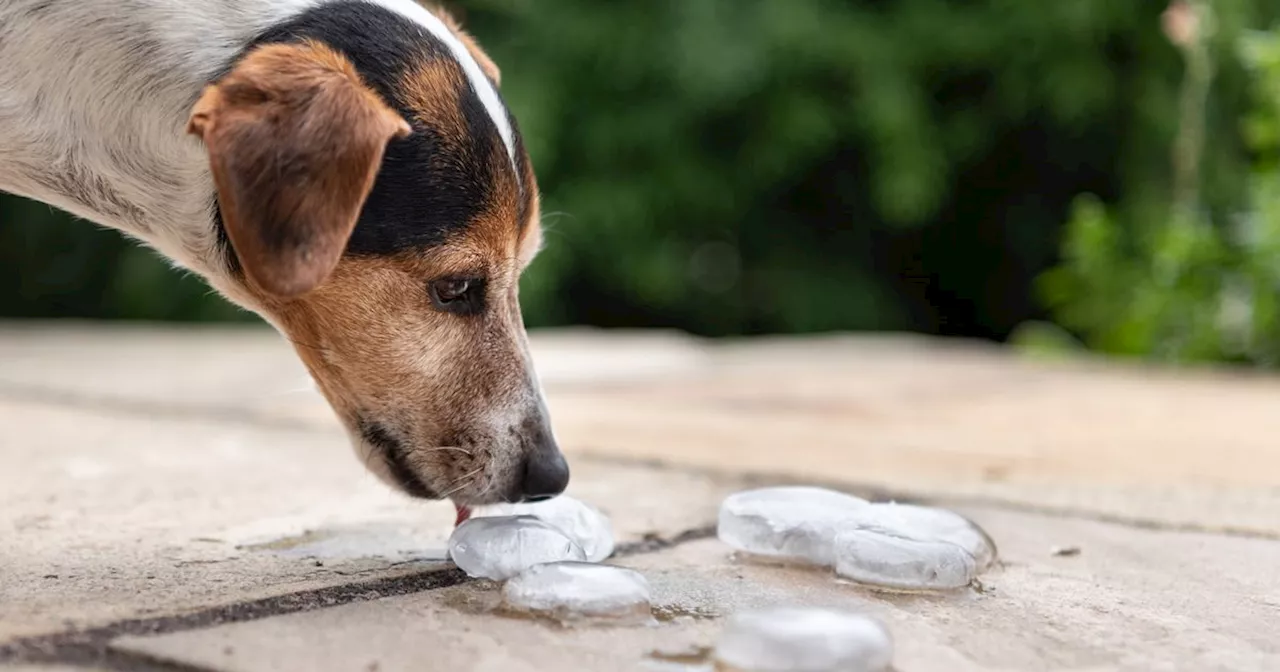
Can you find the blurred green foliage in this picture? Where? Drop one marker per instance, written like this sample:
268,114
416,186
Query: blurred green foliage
751,166
1183,281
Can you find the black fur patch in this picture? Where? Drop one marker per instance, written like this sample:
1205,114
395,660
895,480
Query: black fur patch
393,454
425,189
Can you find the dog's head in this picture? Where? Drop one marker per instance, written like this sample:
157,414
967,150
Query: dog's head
380,208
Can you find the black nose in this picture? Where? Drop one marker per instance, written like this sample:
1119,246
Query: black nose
546,474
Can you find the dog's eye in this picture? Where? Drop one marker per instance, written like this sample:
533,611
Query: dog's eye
456,295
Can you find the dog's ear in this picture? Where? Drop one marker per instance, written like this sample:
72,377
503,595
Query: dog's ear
295,140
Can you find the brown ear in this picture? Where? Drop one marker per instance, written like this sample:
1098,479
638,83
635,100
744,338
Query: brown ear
295,140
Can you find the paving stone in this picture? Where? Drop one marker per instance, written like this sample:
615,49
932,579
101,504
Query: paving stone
1130,600
914,415
1191,448
106,517
153,472
250,371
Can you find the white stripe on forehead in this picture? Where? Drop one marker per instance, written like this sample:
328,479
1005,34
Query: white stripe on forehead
480,83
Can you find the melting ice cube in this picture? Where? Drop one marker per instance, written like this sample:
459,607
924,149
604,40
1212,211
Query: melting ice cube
795,524
896,546
924,523
499,547
804,640
581,522
579,591
906,547
886,561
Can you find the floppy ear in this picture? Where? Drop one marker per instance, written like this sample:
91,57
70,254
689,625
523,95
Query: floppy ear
295,140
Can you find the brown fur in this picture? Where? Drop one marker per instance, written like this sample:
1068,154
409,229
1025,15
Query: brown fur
377,349
456,392
301,112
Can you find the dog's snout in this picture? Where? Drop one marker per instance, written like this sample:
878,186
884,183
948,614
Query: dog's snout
545,473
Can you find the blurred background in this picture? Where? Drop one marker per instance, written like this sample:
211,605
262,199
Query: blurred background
1059,175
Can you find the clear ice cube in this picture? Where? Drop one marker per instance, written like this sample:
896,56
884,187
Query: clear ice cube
789,639
885,561
925,523
573,592
794,523
500,547
581,522
907,547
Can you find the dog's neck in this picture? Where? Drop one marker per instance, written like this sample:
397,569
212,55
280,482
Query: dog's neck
94,101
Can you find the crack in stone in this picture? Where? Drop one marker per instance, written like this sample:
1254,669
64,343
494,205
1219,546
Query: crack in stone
877,493
91,647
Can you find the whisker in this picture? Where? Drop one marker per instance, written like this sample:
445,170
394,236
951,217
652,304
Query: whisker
464,481
456,449
460,486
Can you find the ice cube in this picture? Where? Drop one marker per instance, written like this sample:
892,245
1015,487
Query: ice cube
581,522
789,639
499,547
573,592
906,547
886,561
795,524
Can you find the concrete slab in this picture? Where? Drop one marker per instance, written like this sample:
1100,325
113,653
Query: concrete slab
191,477
918,416
1164,448
250,372
1131,599
106,517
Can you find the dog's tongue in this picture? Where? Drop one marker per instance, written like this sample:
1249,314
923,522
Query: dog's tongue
463,514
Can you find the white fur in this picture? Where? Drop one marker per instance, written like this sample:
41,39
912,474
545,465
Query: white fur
479,82
94,101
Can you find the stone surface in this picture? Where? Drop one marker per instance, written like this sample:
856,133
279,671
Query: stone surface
105,516
905,414
1131,600
1191,448
152,473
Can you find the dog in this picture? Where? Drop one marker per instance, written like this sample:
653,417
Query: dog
346,169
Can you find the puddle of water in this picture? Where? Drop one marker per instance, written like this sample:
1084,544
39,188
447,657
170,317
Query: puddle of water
289,543
476,599
696,655
680,613
350,544
485,598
